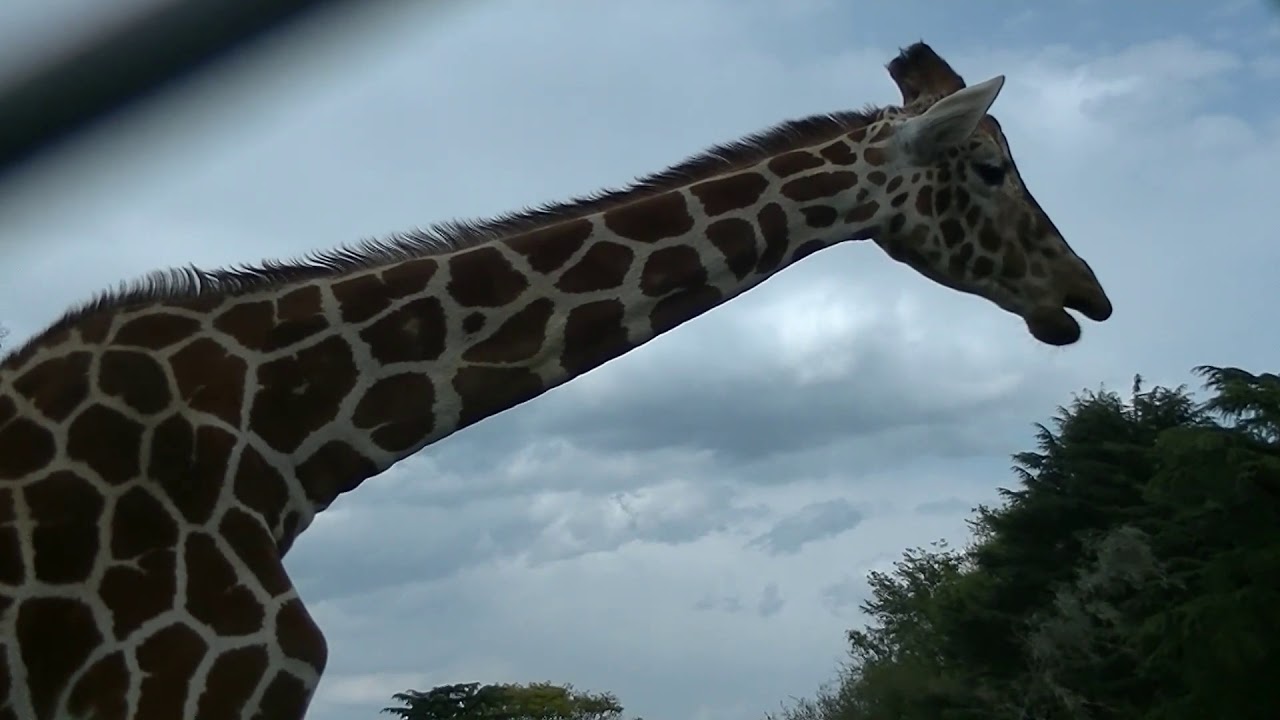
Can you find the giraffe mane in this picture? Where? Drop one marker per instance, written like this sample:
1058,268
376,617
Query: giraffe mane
191,282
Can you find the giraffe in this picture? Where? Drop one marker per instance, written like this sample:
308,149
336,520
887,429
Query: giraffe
163,445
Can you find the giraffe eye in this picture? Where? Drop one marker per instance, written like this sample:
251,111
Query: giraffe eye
990,174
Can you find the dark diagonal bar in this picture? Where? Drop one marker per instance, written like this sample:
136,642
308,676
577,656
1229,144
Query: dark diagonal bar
162,46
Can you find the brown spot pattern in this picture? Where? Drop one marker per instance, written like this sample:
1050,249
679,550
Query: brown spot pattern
253,544
819,216
840,153
483,277
735,238
12,570
819,185
196,366
138,592
726,194
136,379
593,334
156,331
5,674
519,338
942,200
100,691
863,212
167,659
172,450
413,333
897,223
260,487
250,323
959,262
952,232
286,697
96,328
398,411
361,297
652,219
487,390
298,634
215,595
670,269
924,201
773,227
602,267
875,155
807,249
407,278
988,238
300,393
55,635
308,300
25,447
58,385
1013,264
983,266
682,306
795,161
140,524
195,493
67,510
332,470
234,676
107,442
548,249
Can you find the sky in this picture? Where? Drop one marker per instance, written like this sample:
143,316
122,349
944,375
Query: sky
702,565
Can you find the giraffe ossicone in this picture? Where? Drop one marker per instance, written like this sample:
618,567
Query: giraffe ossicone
163,446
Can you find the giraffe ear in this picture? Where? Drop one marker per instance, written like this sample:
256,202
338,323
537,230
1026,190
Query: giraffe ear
949,121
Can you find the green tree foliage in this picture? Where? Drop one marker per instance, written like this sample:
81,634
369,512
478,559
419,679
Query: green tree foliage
534,701
1133,573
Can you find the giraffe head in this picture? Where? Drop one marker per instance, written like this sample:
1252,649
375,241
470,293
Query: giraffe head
971,224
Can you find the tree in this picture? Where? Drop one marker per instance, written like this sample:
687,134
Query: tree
1134,572
534,701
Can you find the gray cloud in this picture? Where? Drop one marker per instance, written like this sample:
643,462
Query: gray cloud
945,506
816,521
616,532
723,603
848,593
771,601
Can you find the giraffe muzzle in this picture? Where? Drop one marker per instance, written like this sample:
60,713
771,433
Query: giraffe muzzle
1052,326
1094,305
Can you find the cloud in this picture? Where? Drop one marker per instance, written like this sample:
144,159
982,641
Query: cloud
771,601
670,525
816,521
848,593
944,506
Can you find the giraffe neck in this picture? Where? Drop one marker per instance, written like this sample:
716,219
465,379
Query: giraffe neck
277,389
467,334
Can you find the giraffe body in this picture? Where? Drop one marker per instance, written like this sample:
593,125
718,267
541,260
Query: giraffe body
162,447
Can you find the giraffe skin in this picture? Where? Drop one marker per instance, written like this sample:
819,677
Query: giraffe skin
163,446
